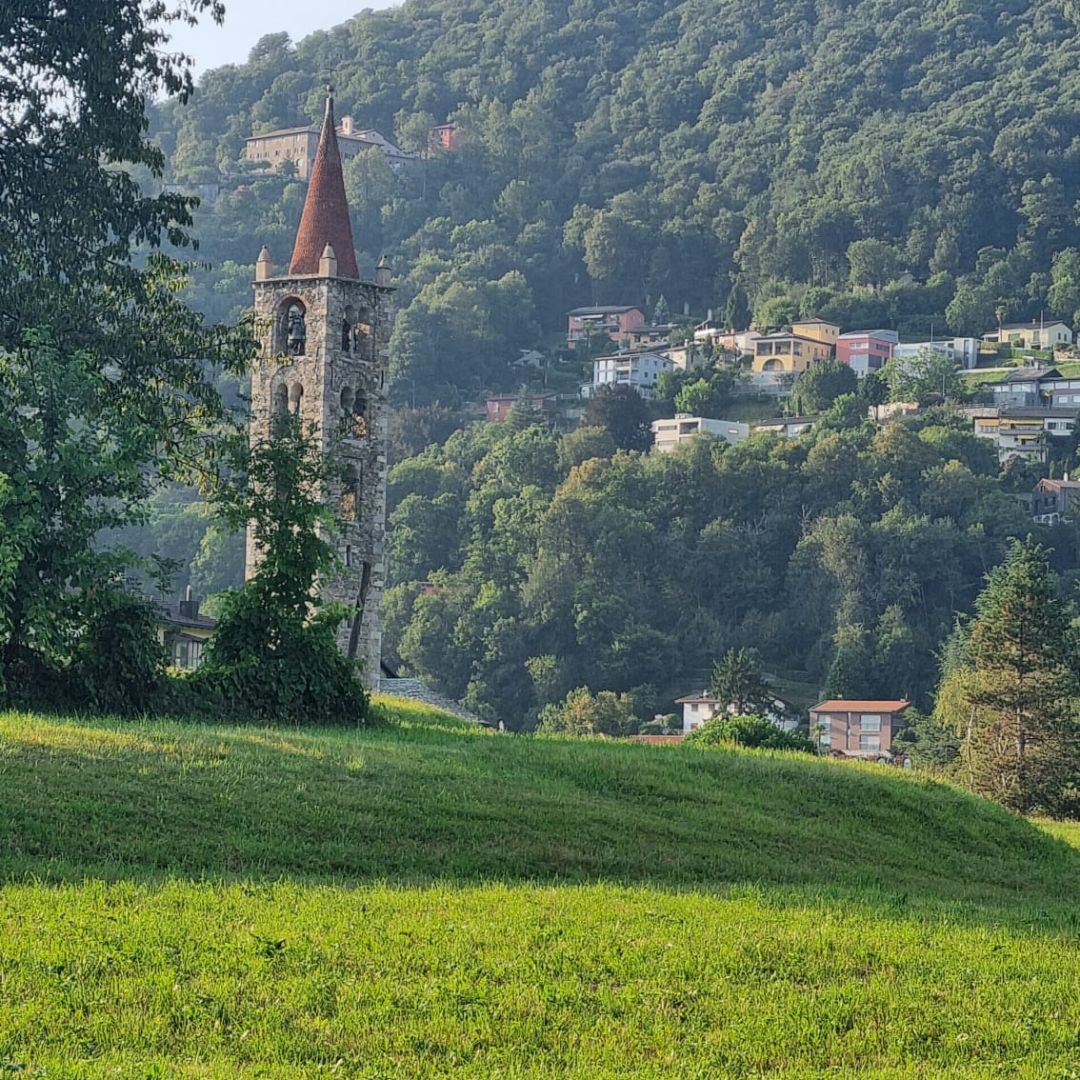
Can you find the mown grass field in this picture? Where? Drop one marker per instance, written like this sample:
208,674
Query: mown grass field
426,899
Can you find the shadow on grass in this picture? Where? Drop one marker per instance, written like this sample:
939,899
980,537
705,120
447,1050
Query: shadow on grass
415,807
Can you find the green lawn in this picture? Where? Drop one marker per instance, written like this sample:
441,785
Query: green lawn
428,899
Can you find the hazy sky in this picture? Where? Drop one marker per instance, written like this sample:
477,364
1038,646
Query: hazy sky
247,20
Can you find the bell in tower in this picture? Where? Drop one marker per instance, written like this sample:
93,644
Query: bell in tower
324,355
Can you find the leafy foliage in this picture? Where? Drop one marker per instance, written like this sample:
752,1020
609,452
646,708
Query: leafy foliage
748,731
926,377
622,412
738,684
108,378
818,387
583,713
274,657
553,563
119,663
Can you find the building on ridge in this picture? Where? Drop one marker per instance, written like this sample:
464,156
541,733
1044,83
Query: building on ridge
300,145
324,335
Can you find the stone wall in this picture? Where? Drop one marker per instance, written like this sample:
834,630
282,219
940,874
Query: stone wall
342,392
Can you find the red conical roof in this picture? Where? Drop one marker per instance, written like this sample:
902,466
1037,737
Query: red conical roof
326,211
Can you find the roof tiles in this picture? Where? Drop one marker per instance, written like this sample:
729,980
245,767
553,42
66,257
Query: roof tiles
325,219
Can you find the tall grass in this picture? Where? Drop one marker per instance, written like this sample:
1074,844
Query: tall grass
429,899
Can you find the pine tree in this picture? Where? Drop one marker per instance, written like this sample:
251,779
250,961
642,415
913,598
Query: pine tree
738,684
737,309
1021,743
524,412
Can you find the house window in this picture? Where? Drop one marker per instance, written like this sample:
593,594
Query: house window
825,740
187,654
870,743
870,722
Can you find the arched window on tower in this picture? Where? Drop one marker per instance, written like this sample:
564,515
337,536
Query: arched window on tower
296,397
291,334
345,419
359,416
294,327
350,495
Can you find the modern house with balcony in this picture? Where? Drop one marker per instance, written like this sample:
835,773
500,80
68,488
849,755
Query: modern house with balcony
668,434
639,370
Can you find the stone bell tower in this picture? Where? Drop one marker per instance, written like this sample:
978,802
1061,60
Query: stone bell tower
325,352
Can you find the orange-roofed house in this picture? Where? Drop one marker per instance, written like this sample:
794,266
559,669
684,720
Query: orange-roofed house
862,729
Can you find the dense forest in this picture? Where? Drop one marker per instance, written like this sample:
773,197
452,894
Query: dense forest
880,163
527,564
877,162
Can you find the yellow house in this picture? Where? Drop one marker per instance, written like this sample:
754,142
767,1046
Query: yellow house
1033,335
789,353
818,330
184,631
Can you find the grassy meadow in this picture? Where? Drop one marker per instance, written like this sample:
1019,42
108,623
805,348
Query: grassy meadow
429,899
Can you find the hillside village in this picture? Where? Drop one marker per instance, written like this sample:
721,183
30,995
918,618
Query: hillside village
540,540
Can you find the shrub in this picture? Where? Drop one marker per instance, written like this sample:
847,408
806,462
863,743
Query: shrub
750,731
583,713
274,656
268,666
119,662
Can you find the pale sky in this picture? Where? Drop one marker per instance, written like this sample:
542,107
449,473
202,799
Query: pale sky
247,20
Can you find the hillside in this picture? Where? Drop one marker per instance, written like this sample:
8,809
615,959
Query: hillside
725,154
431,900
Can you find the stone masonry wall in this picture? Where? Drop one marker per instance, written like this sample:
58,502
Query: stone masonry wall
343,393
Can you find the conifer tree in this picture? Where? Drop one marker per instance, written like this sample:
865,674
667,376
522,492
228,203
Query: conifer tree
737,683
1020,734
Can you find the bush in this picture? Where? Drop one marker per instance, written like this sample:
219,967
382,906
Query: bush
750,731
119,663
270,667
583,713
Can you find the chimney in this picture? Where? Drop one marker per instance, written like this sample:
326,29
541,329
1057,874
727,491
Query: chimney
264,266
328,262
189,607
383,272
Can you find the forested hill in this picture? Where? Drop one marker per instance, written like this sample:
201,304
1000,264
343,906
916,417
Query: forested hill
715,152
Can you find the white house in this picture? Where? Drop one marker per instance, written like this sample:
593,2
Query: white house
639,370
962,351
788,427
704,706
667,434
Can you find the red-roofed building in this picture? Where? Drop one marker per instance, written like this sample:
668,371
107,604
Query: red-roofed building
862,729
613,321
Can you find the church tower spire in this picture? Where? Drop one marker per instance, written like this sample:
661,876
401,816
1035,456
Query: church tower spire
325,219
325,355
